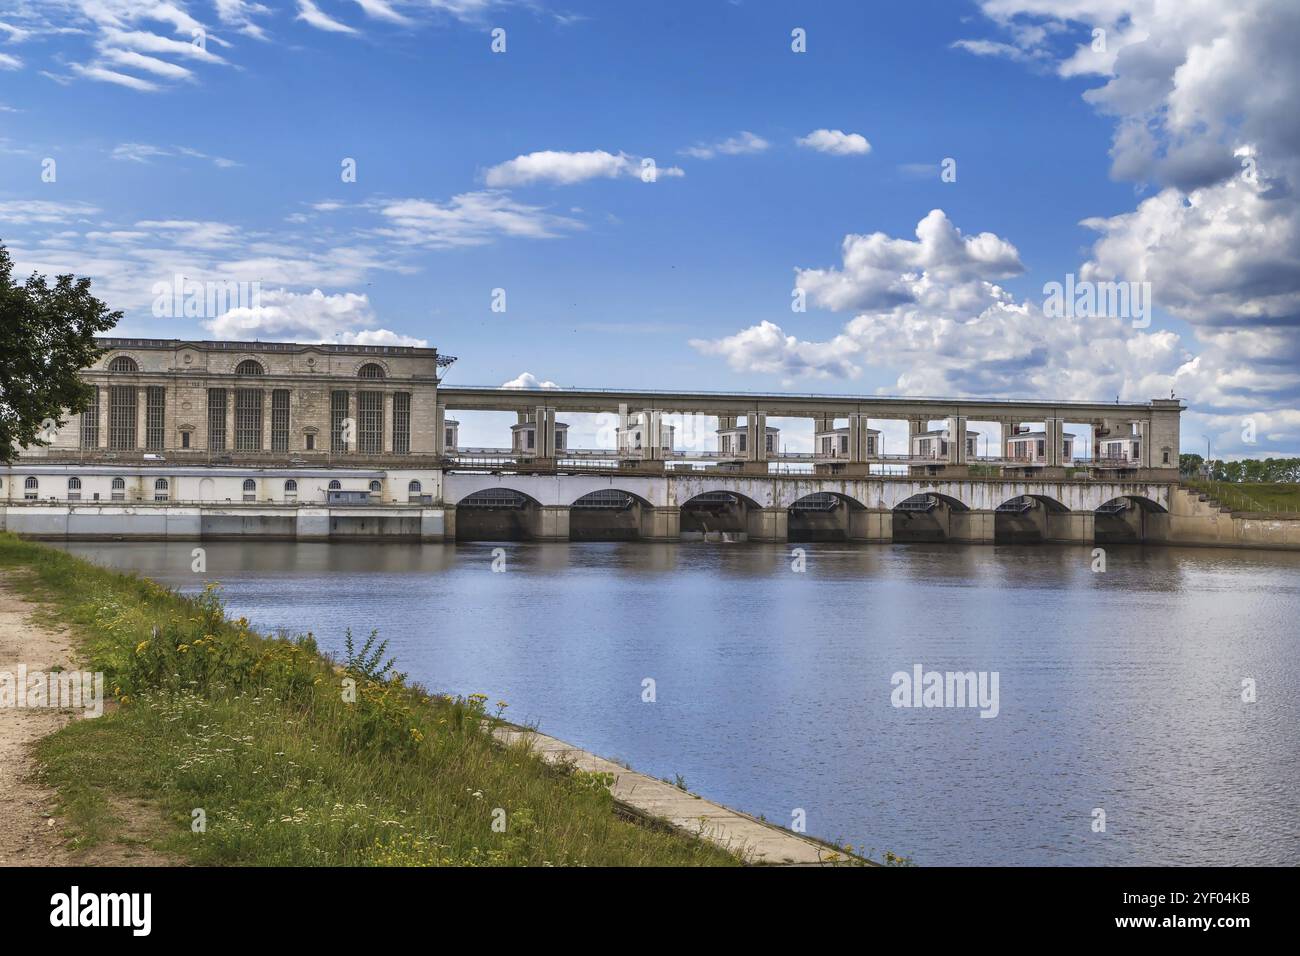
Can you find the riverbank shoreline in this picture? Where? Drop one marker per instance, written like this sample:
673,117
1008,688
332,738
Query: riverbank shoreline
394,747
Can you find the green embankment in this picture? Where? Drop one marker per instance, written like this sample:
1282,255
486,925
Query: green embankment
1256,496
251,736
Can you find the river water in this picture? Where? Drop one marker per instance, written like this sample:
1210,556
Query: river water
1119,691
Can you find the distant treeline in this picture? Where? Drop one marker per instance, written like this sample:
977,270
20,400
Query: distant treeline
1251,469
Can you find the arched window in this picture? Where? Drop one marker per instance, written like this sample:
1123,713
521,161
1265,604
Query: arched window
119,489
336,485
30,488
249,367
370,370
291,487
161,490
414,487
374,487
123,363
74,489
250,484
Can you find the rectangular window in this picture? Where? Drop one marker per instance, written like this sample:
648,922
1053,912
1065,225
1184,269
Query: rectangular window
402,423
338,415
90,421
121,417
769,439
155,406
185,439
532,440
248,419
871,444
280,420
925,447
743,439
311,442
1137,451
844,444
216,419
1042,447
370,422
449,441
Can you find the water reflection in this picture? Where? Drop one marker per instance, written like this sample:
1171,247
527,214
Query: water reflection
1119,690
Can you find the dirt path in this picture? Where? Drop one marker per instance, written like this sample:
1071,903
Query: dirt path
29,834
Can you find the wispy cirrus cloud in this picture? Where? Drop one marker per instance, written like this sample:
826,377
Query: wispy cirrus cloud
146,153
741,144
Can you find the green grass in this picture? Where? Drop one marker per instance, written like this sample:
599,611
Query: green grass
251,736
1250,495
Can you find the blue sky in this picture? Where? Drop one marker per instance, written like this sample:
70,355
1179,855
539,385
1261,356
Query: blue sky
223,163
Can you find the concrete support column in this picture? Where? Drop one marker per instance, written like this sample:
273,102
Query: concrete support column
104,392
266,420
971,527
1055,430
1072,527
439,429
386,428
866,525
661,524
652,434
141,415
1144,434
544,418
757,430
857,438
354,413
957,440
551,523
768,524
1005,430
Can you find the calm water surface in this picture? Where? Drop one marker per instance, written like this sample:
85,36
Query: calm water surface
1119,690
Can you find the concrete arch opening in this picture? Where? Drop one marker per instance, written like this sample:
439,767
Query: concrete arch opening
609,514
1129,519
1029,519
500,514
826,516
928,517
730,516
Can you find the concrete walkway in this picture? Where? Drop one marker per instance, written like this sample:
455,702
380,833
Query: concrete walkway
756,842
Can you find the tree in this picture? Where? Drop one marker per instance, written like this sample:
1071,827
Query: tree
1190,464
47,336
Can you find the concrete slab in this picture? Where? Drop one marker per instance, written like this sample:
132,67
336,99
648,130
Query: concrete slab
756,842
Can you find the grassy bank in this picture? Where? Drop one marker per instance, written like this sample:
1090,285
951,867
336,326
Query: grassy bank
1256,496
259,751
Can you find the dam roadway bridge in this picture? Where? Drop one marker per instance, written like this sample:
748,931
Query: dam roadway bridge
672,506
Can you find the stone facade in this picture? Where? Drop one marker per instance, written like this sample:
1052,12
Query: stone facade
262,401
